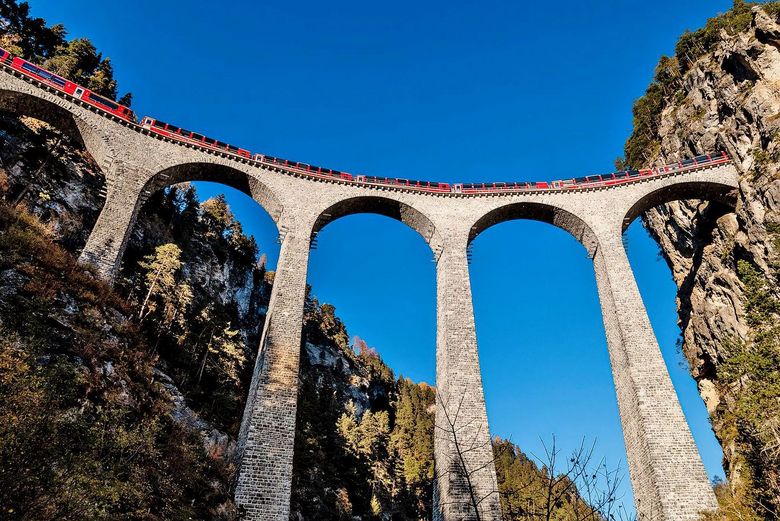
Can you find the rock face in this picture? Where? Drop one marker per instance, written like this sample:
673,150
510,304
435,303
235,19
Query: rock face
55,178
726,99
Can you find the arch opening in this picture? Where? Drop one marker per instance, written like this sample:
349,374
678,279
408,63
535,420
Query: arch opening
22,104
221,174
685,227
54,175
391,208
197,267
371,278
549,214
719,193
543,352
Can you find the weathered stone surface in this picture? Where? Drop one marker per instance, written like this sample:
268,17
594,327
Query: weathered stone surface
665,468
731,100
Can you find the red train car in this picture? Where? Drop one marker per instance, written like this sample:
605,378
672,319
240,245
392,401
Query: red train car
174,132
75,90
304,168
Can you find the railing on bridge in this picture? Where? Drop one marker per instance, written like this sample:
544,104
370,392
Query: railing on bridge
109,108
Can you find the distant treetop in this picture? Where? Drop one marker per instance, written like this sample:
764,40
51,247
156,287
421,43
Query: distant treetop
78,59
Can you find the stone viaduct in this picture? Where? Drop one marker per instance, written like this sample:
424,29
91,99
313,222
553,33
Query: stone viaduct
667,475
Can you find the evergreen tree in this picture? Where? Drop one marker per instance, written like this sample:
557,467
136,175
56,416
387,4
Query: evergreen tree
163,292
32,38
77,60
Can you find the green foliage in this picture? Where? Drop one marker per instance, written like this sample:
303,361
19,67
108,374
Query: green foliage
772,9
206,343
221,222
412,437
77,60
693,45
760,302
33,39
166,297
85,433
750,372
666,88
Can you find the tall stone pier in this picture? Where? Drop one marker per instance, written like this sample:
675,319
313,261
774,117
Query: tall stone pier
466,486
667,475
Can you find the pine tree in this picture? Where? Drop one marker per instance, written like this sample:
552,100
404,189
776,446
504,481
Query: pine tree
159,278
77,60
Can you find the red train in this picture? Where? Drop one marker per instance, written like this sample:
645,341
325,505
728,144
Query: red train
77,91
193,138
172,131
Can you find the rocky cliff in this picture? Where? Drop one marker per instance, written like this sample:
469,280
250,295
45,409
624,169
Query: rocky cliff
721,91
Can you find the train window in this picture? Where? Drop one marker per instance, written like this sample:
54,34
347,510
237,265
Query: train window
633,173
221,144
620,175
158,124
103,101
335,172
208,141
197,137
232,148
580,180
29,67
171,128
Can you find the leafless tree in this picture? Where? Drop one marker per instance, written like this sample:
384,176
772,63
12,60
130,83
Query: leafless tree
589,487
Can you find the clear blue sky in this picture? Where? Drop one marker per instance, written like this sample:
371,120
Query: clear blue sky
437,90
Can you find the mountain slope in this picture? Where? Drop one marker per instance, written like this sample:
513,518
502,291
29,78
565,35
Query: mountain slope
722,91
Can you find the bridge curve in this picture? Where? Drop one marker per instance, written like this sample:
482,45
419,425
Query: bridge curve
218,172
721,191
550,214
57,113
666,472
382,205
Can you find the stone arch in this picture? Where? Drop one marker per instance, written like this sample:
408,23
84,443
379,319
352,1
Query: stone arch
547,213
84,133
722,193
106,246
392,208
218,173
